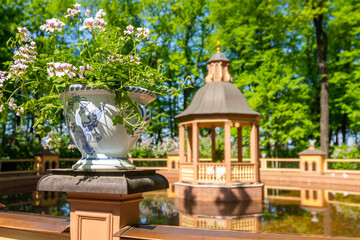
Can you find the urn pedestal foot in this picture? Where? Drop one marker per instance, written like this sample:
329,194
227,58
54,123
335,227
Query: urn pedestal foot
104,164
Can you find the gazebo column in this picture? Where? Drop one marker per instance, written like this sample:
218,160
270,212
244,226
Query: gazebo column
182,143
195,149
254,149
189,146
239,140
213,143
228,151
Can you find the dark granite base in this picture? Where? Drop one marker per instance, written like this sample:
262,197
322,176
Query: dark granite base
106,182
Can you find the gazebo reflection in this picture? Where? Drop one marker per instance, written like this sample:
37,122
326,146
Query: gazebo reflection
236,216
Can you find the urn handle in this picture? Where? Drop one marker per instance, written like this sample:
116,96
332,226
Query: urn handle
146,116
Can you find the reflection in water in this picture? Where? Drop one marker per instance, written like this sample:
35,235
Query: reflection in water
49,203
284,210
158,211
238,216
311,211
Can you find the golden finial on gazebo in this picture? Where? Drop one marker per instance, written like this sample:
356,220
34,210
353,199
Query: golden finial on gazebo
218,67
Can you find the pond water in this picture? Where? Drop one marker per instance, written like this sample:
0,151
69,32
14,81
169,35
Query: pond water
284,210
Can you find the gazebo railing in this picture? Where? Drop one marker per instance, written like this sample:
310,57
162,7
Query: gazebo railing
211,172
187,172
216,173
242,172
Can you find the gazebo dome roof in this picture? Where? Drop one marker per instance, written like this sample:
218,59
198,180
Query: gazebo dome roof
218,98
219,56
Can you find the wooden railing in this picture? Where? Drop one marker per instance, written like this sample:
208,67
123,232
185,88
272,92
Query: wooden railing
206,170
216,172
211,172
232,160
242,172
329,170
187,172
12,161
152,162
249,224
276,164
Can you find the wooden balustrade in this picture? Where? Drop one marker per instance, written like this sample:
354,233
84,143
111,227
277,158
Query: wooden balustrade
242,172
211,172
249,224
244,224
212,223
216,172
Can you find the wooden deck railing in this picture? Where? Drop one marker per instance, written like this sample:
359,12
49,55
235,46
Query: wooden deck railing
281,165
347,171
24,170
152,162
207,171
277,164
232,159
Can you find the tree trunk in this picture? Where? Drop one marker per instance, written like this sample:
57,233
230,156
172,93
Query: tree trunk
343,128
321,44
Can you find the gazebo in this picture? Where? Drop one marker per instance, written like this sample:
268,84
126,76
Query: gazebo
218,104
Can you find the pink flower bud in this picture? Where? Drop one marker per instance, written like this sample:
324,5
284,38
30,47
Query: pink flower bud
77,6
87,13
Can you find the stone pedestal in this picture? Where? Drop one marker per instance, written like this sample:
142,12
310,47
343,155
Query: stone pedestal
102,202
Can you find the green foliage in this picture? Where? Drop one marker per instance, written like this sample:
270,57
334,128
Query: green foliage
345,152
19,146
108,59
271,45
258,36
272,164
181,29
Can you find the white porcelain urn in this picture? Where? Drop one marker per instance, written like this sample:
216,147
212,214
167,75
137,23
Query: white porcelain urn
89,113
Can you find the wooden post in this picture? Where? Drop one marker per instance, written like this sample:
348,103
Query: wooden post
239,140
257,222
254,149
213,143
181,143
228,151
100,216
195,149
189,149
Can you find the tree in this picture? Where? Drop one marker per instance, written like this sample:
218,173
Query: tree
260,39
319,7
344,71
179,34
